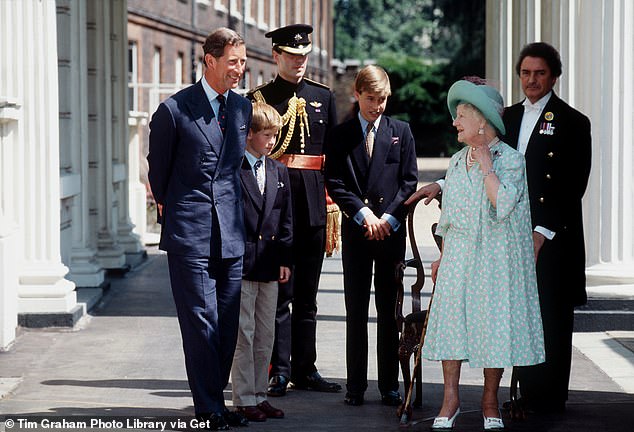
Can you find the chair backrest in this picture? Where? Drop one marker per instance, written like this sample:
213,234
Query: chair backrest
417,263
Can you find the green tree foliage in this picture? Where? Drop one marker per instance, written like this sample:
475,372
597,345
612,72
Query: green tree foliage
418,97
425,45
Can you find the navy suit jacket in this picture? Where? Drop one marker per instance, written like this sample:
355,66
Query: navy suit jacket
268,220
557,171
194,173
383,183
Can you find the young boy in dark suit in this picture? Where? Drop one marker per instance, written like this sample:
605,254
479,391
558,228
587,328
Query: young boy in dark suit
370,171
267,260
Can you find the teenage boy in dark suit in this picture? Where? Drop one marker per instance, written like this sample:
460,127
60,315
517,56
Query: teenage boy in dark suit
370,171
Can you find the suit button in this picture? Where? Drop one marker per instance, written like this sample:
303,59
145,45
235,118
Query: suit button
381,200
260,237
548,176
366,201
541,199
551,154
272,237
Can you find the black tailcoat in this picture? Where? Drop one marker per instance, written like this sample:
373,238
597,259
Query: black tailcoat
557,170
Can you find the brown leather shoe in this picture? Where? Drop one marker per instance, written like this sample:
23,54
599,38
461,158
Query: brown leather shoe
270,411
251,413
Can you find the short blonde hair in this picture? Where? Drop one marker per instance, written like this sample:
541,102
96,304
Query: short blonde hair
265,117
373,79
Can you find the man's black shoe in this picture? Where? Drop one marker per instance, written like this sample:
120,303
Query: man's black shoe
353,399
391,398
277,386
315,382
235,418
211,422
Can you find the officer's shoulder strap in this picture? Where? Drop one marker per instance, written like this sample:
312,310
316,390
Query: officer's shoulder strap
316,83
256,93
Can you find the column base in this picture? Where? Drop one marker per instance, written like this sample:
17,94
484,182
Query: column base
52,319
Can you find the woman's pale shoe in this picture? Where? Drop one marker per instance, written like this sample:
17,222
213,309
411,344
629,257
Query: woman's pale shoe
493,423
445,423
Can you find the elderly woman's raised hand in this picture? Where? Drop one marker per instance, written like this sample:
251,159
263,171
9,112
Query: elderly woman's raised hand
430,191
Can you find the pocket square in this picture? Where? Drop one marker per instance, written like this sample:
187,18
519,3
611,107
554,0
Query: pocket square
394,140
243,127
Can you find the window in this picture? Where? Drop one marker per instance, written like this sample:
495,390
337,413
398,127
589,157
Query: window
178,72
156,66
133,77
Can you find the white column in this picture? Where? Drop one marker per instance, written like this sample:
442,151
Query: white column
596,42
126,237
103,205
136,189
9,116
77,246
610,207
35,202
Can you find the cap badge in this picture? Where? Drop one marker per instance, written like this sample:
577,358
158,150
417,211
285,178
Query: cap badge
315,104
298,37
549,116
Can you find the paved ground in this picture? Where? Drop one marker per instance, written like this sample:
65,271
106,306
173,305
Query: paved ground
124,362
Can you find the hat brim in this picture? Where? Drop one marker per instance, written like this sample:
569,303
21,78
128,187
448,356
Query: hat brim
468,92
301,50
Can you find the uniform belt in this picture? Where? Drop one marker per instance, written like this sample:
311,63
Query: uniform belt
299,161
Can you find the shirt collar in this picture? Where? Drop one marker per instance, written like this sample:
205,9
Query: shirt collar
539,105
364,123
252,159
210,92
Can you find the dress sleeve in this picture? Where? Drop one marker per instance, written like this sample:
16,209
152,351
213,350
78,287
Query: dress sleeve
511,171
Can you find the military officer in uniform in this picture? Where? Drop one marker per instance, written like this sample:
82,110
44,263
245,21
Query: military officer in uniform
308,112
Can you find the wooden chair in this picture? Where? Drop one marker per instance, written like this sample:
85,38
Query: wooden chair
412,325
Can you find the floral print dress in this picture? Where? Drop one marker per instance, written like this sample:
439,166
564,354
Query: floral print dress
485,308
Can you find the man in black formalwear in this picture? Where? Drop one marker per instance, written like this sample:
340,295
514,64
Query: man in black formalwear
308,111
555,139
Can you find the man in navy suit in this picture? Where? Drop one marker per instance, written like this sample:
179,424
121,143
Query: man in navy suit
370,171
556,142
197,142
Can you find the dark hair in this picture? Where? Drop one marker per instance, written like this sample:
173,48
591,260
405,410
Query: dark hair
218,39
541,50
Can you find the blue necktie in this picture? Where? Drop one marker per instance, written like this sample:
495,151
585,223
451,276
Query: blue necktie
222,113
259,175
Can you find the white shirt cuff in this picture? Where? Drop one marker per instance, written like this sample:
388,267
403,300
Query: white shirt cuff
545,232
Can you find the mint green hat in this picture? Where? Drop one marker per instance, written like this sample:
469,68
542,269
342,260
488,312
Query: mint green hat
485,98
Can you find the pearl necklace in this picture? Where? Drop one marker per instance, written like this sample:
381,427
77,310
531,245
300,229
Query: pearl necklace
470,159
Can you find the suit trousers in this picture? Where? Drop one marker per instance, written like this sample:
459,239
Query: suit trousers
250,371
547,383
359,256
295,353
207,296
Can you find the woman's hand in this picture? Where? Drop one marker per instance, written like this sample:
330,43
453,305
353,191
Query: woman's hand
482,155
434,269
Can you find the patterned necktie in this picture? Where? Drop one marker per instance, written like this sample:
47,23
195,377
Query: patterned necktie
259,175
369,139
222,113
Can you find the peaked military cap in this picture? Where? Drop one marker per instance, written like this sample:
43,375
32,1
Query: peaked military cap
292,38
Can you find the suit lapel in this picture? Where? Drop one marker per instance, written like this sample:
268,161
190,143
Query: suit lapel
358,155
270,188
203,115
250,184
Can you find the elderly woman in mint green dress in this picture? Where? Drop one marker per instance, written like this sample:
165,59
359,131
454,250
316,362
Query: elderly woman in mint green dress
485,309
